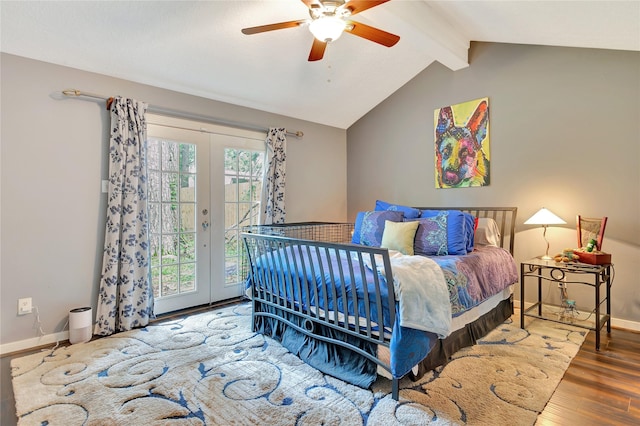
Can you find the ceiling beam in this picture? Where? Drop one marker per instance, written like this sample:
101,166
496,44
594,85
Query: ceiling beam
427,31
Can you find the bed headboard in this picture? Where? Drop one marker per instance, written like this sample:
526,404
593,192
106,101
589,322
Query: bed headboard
505,217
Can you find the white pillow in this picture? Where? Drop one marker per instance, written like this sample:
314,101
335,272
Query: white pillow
399,236
487,233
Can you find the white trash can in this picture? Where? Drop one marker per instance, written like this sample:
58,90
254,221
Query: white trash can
80,322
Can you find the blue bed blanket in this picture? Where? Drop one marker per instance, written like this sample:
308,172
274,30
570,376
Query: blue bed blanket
466,282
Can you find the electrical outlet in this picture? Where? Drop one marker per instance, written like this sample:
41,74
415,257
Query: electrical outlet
24,306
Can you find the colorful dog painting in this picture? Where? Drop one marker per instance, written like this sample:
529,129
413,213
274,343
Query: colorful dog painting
462,144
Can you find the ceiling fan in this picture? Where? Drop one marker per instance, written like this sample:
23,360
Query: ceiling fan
329,19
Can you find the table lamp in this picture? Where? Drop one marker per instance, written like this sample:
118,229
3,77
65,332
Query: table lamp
545,218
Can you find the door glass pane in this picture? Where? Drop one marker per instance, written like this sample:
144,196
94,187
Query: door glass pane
255,175
231,242
187,158
231,160
244,190
169,249
154,216
230,189
169,280
187,247
169,156
169,217
155,250
154,182
232,246
187,217
153,152
254,214
257,166
230,216
187,277
169,187
244,212
188,180
232,275
244,164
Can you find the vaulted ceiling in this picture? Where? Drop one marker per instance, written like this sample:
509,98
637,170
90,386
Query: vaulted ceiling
198,48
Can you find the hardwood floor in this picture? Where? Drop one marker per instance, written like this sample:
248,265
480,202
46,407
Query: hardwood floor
599,388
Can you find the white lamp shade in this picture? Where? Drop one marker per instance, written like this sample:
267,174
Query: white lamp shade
327,28
544,217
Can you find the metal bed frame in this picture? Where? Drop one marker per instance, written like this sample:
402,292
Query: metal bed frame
273,294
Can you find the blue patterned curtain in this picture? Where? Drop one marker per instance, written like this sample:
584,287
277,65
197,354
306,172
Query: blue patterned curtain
125,300
274,211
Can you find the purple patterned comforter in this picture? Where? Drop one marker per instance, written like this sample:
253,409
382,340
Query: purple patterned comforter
473,278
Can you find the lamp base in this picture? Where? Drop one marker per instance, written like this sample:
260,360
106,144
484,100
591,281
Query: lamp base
545,257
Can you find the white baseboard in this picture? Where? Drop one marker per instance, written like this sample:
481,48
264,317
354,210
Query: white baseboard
629,325
21,345
615,322
52,339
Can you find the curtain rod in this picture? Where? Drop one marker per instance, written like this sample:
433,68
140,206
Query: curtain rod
180,114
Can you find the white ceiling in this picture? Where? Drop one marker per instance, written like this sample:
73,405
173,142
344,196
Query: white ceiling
197,47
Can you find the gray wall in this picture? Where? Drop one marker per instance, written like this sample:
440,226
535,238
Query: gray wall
565,134
53,157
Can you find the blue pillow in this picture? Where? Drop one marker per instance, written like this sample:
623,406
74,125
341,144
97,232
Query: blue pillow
470,230
369,226
409,212
456,230
431,236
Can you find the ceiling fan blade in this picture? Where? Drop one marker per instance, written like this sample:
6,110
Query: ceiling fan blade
271,27
317,50
370,33
357,6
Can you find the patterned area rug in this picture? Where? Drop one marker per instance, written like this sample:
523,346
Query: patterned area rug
211,369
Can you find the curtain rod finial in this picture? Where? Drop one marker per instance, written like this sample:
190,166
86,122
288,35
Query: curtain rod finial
71,92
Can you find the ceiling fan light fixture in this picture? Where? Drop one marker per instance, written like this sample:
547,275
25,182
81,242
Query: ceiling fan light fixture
327,28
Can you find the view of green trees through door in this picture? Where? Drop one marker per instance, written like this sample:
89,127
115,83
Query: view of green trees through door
172,214
242,193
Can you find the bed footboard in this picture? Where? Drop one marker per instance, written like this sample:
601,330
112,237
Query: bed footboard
312,286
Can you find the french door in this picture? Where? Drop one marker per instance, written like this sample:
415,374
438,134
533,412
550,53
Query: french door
205,185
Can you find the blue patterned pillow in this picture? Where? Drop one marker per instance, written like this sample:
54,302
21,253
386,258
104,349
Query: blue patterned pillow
370,232
431,236
456,230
